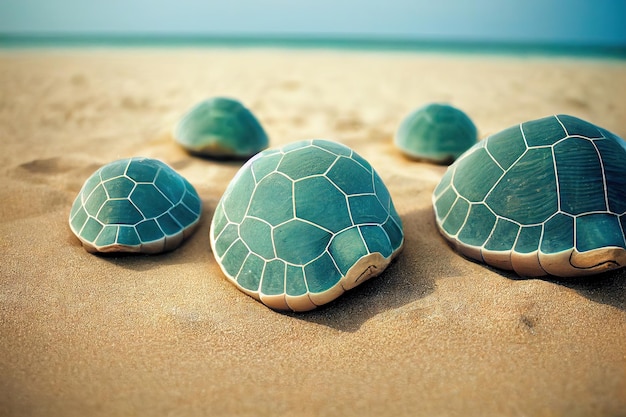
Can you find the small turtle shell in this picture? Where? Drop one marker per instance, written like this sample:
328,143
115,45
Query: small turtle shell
299,225
221,127
547,196
134,205
437,133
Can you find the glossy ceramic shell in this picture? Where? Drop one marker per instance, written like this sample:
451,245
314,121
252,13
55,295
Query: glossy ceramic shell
298,226
222,128
547,196
134,205
437,133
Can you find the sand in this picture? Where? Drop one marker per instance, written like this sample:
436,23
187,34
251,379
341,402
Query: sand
435,335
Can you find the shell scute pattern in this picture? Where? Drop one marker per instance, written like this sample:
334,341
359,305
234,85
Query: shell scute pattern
508,149
545,197
220,127
134,205
331,213
306,162
299,225
436,132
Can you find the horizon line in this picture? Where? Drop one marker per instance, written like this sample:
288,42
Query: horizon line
277,39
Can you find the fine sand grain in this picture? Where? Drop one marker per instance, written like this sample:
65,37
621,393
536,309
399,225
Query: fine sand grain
435,335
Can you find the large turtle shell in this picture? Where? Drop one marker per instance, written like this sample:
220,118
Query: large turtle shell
221,127
298,226
547,196
134,205
436,133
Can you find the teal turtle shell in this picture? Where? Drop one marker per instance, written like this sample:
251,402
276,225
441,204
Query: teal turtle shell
436,133
222,128
298,226
545,197
134,205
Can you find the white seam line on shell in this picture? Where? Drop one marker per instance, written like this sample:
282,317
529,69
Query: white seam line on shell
272,240
258,290
466,215
388,240
521,128
176,220
556,180
229,246
246,245
335,264
106,191
236,277
285,283
126,168
182,203
349,210
325,173
589,212
306,284
390,217
519,232
498,218
366,194
575,232
315,259
134,205
362,166
508,169
228,222
240,266
102,205
449,211
249,203
159,226
493,228
499,179
94,188
604,185
491,156
436,200
293,197
272,228
315,225
562,125
253,175
358,229
99,233
117,234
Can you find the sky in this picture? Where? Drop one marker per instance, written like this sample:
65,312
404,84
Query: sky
594,22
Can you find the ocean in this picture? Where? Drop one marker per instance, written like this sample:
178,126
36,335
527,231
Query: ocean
13,41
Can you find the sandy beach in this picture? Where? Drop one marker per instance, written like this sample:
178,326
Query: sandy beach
435,335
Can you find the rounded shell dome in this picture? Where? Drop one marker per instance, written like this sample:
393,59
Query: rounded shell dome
222,128
300,225
134,205
436,133
547,196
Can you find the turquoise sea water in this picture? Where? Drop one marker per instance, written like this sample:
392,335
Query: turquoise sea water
11,41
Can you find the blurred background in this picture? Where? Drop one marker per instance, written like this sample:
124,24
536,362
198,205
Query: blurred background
590,23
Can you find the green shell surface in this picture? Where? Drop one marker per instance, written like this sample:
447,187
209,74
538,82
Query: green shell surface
298,226
437,133
134,205
221,127
547,196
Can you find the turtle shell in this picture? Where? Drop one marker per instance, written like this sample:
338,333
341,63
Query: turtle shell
298,226
547,196
436,133
134,205
222,128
